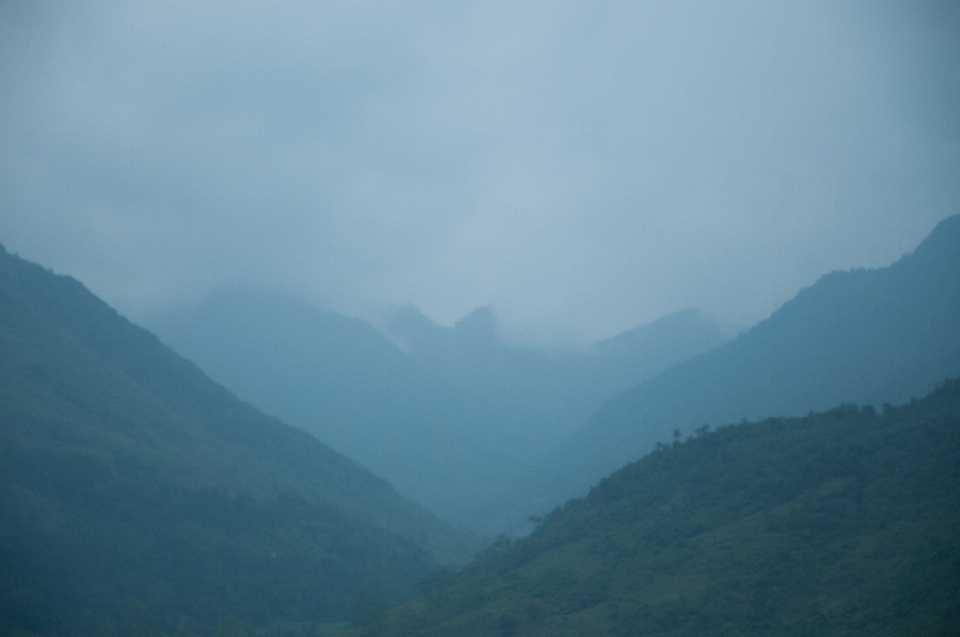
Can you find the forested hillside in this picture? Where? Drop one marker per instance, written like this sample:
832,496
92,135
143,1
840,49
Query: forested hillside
127,476
838,523
868,336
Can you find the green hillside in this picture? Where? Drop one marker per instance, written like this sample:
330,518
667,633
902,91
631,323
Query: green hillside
865,336
839,523
126,474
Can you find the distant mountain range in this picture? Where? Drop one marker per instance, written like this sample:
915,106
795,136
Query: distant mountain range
347,384
134,486
867,336
550,393
837,523
450,419
127,477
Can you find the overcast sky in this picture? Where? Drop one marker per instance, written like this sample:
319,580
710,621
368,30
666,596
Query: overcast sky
584,167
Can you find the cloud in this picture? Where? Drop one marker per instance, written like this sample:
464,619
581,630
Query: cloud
581,166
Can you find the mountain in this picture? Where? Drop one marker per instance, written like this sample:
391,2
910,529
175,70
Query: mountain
129,477
451,419
550,393
837,523
868,336
346,383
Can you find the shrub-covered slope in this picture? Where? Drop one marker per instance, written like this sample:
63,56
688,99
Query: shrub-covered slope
839,523
125,473
866,336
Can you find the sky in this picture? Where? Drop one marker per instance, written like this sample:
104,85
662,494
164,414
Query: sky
583,167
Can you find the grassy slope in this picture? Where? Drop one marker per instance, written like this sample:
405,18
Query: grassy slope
126,473
838,523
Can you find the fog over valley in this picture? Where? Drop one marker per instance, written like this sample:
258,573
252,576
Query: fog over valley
485,318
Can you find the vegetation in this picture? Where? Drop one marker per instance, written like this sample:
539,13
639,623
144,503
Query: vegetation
138,498
838,523
129,480
865,336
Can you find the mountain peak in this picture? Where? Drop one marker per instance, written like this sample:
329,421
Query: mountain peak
941,248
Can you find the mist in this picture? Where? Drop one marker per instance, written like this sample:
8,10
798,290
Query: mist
509,317
582,167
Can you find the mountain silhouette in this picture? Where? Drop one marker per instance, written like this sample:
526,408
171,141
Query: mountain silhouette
450,417
868,336
127,476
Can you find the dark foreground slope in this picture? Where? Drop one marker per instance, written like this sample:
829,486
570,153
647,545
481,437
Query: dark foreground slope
125,473
839,523
866,336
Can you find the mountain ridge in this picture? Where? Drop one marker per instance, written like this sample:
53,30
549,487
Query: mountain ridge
868,336
450,421
835,523
126,473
